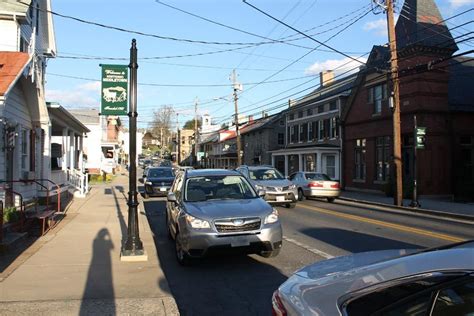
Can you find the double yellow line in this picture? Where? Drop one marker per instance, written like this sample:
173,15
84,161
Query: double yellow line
383,224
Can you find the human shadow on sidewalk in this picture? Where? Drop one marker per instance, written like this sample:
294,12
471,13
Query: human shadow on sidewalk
98,297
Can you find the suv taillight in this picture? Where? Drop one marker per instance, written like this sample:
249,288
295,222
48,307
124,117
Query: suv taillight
277,306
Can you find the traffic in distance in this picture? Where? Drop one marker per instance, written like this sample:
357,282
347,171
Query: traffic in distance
216,212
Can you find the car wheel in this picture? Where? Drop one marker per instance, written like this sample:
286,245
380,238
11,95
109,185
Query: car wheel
290,205
331,199
181,255
270,254
300,195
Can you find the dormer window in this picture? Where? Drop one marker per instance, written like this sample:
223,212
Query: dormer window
376,95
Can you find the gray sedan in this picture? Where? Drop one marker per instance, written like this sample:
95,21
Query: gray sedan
211,211
390,282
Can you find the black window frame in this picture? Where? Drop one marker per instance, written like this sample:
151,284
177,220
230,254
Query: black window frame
360,165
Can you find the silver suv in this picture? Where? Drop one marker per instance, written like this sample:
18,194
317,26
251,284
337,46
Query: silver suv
211,210
278,189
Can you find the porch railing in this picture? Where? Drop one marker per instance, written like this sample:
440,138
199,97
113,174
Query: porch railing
78,180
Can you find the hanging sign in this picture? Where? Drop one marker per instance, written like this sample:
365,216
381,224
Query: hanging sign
114,91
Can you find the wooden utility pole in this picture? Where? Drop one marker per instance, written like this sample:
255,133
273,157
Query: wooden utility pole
196,101
397,146
236,87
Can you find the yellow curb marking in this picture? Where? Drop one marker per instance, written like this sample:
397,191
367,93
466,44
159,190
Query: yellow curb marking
385,224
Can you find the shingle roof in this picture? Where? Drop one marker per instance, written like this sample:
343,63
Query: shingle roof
420,24
11,66
86,116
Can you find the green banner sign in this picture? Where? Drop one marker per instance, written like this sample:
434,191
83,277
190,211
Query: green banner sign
114,92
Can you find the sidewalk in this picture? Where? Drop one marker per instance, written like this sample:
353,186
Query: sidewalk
431,206
78,269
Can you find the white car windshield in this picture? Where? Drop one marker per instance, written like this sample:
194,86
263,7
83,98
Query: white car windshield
266,174
218,188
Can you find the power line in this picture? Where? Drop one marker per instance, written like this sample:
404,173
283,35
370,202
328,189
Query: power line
180,85
161,37
302,33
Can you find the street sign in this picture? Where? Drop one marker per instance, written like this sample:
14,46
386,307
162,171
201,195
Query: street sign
114,91
420,137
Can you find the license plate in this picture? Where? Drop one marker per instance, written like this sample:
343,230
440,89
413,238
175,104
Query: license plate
239,242
280,198
162,189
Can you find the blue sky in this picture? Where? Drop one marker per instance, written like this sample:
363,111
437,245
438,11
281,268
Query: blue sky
207,76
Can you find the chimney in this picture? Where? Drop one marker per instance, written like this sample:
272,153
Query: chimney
250,118
326,77
291,102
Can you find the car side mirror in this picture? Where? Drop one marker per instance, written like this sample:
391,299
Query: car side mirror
261,193
172,197
140,180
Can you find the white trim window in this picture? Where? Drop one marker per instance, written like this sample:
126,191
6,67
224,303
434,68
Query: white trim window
331,166
24,150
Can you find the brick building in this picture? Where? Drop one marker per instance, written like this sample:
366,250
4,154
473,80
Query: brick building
434,86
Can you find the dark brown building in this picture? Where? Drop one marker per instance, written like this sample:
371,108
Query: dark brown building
435,86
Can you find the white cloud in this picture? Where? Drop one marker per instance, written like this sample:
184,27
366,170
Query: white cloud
78,96
93,86
459,3
342,65
378,26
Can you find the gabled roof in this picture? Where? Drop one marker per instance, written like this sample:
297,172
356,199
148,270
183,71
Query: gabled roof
14,6
12,65
260,123
340,86
60,113
420,24
86,116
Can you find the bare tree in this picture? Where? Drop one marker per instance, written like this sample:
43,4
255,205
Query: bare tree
162,123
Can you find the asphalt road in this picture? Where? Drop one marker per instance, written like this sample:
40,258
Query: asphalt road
314,230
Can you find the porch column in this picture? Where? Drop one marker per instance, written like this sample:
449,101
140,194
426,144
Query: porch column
273,161
65,150
81,153
286,165
319,162
72,149
300,162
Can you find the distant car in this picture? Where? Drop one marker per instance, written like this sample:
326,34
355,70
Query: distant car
166,163
157,181
312,184
212,210
278,189
147,163
438,281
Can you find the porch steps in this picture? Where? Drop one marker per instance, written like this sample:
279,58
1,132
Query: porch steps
11,240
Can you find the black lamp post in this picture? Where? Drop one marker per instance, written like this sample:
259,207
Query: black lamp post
133,245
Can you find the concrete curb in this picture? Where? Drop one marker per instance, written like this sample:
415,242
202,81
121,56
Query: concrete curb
419,211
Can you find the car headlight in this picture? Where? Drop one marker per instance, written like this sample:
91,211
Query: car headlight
197,223
259,187
272,218
149,183
293,186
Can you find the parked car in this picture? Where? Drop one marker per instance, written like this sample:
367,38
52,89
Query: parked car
157,181
437,281
212,210
312,184
278,189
